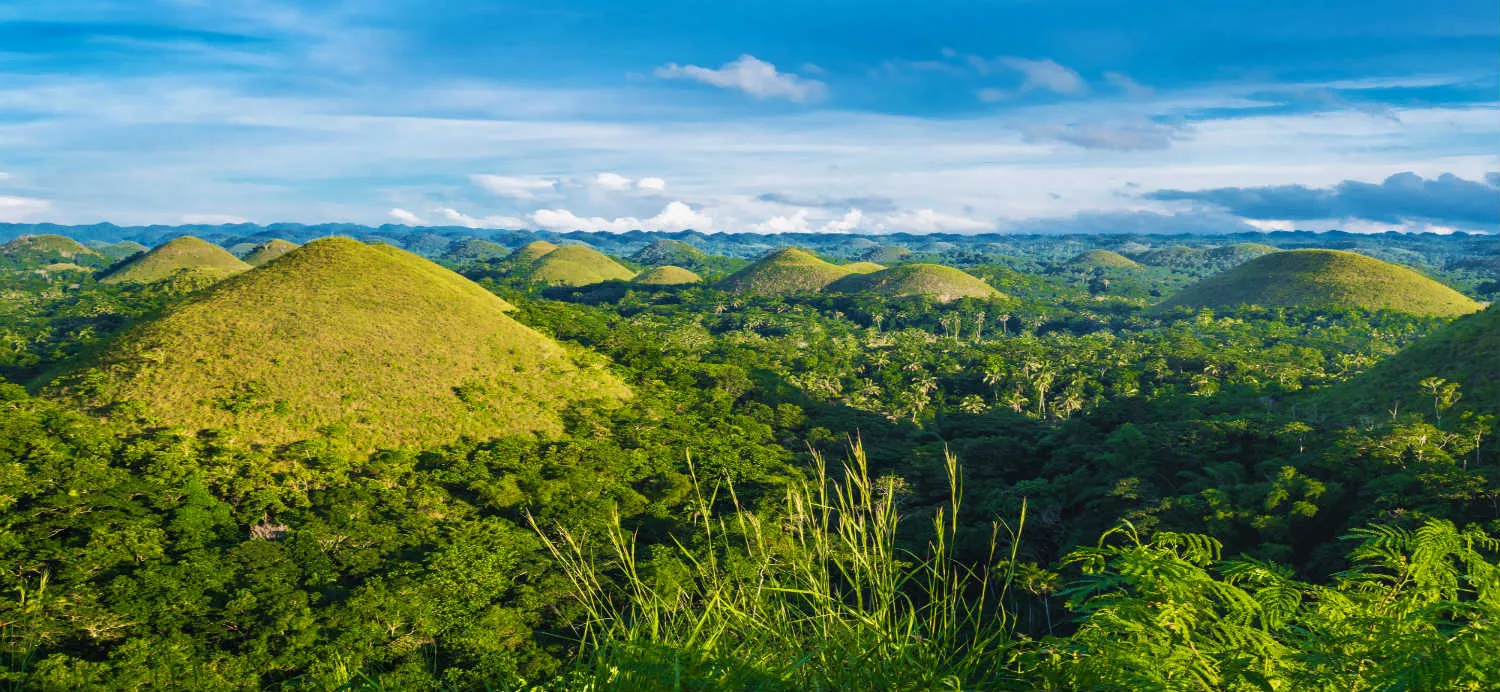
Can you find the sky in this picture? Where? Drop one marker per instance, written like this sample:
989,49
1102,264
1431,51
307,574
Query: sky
867,116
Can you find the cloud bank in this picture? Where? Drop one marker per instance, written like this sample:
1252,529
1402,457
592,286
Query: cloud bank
751,75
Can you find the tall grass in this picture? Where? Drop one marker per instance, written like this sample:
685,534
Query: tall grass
814,596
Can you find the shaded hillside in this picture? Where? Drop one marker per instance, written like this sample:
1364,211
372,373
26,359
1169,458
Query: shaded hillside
574,265
862,267
1324,278
269,250
782,272
121,250
179,256
667,276
885,254
388,347
1467,352
931,280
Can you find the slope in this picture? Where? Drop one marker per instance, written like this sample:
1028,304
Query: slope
574,265
269,250
371,340
1103,259
1467,352
667,276
669,252
932,280
1324,278
184,255
784,271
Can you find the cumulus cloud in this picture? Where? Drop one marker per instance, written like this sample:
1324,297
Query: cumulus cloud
20,208
514,187
676,216
930,221
873,203
795,223
752,76
1131,135
652,184
848,222
612,181
1403,198
457,218
406,217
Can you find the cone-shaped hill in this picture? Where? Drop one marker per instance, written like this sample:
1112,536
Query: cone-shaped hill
785,271
667,276
269,250
1324,278
40,250
184,255
574,265
862,267
933,280
1466,351
527,254
1102,259
371,340
669,252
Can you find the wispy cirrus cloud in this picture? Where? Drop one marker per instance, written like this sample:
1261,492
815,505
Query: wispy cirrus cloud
751,75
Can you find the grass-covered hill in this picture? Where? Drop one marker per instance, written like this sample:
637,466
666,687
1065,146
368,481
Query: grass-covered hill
862,267
666,251
667,276
1103,259
185,255
784,271
1238,253
1466,352
32,251
885,254
379,343
529,253
932,280
1324,278
574,265
474,250
121,250
269,250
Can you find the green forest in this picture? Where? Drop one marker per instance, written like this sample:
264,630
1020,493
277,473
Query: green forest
644,461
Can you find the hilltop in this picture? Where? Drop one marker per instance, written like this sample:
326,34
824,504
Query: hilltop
667,276
885,254
669,252
1324,278
269,250
862,267
784,271
121,250
48,249
1466,351
574,265
932,280
1104,259
525,255
183,255
386,346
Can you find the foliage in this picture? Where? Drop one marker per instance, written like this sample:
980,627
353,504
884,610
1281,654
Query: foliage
918,279
184,255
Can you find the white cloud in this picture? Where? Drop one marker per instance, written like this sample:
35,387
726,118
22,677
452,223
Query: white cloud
459,218
930,221
1045,74
612,181
845,224
406,217
752,76
796,223
20,208
213,219
514,187
1124,83
653,184
676,216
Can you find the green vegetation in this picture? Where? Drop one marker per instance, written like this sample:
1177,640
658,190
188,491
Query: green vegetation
667,276
528,254
573,265
121,250
1101,258
183,255
669,252
885,254
932,280
1457,367
862,267
390,348
43,248
267,251
1328,278
474,250
784,271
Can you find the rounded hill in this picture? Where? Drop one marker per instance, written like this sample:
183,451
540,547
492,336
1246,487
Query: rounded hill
931,280
667,276
862,267
1466,352
389,348
269,250
885,254
122,250
184,255
1104,259
1324,278
666,251
574,265
530,252
785,271
48,244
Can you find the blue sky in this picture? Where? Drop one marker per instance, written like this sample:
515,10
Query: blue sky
1020,115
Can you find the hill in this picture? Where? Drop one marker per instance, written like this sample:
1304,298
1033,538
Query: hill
932,280
1324,278
784,271
122,250
1238,253
384,345
885,254
184,255
474,250
862,267
669,252
667,276
575,265
525,255
269,250
1103,259
41,250
1466,351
